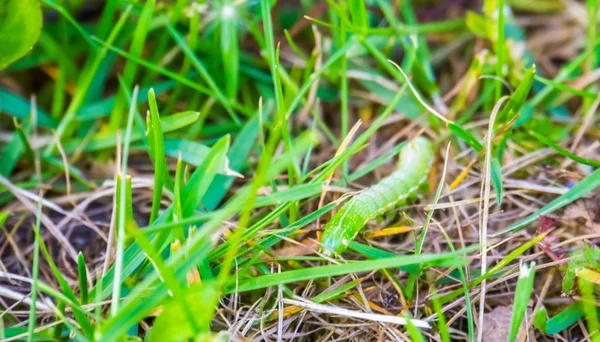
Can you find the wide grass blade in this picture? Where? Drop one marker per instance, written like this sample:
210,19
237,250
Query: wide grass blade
157,153
354,267
522,297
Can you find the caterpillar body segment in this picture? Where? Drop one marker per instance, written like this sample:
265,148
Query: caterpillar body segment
414,163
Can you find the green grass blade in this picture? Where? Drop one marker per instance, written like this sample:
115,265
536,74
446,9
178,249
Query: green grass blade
21,108
130,69
582,188
230,47
200,180
342,269
124,209
157,153
35,273
84,83
203,73
522,297
104,141
543,139
83,279
415,333
496,177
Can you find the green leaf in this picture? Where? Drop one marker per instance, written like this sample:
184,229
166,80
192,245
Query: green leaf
20,26
540,319
480,25
569,316
465,136
175,324
518,98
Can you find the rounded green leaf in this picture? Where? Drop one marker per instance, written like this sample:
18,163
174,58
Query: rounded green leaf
20,25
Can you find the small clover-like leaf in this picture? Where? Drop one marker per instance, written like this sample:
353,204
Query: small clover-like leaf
20,26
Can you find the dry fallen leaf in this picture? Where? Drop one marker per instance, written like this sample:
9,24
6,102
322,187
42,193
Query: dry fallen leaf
496,324
308,247
587,209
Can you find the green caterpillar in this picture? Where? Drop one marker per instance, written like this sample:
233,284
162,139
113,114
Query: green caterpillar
414,164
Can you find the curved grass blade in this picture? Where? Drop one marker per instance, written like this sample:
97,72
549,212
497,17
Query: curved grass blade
564,152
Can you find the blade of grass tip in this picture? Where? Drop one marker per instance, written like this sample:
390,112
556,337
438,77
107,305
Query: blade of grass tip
121,211
417,96
157,153
293,45
83,279
588,184
130,69
543,139
522,296
215,91
84,83
230,47
35,274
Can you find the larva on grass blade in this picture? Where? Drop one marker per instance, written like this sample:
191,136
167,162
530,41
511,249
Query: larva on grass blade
414,165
